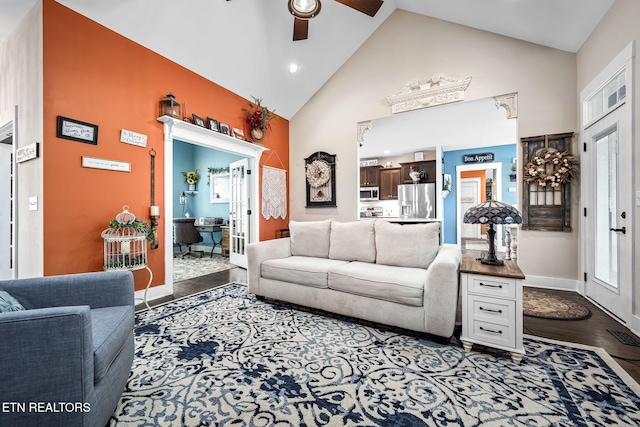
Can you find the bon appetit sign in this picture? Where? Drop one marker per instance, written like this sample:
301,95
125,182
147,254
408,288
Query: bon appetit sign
478,158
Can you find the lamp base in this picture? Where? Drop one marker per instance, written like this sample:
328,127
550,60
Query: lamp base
489,261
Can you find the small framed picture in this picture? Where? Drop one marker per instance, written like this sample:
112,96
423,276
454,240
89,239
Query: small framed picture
213,124
238,133
76,130
197,120
225,129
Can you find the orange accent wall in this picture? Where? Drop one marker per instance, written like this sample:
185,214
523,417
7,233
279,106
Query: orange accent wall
95,75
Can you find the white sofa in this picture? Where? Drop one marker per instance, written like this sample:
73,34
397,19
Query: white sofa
393,274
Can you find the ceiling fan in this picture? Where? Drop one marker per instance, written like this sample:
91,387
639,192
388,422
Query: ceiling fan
304,10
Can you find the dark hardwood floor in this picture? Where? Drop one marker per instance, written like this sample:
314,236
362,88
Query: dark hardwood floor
592,331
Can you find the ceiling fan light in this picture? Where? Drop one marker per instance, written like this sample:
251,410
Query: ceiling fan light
304,9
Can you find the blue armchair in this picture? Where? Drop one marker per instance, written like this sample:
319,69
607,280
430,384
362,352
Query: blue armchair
65,360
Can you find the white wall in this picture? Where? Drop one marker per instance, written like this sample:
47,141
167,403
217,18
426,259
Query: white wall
21,83
408,46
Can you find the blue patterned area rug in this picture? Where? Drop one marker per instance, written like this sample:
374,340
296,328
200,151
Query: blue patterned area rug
223,358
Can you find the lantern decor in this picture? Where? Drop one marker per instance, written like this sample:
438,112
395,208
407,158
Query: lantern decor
169,106
125,244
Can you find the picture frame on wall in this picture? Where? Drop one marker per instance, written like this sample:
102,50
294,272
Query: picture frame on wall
213,124
225,129
320,171
238,133
76,130
198,121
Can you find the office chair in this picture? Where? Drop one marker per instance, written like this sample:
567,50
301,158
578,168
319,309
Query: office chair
185,233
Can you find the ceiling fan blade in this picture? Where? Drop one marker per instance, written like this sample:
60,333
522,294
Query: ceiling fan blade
300,29
368,7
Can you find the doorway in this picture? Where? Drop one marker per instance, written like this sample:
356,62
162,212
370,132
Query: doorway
186,132
492,173
470,195
607,193
7,202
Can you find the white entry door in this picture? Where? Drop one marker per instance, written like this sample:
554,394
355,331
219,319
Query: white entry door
469,197
608,221
606,180
239,211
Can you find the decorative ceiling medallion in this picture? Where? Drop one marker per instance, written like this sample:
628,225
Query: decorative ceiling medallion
362,128
440,89
509,102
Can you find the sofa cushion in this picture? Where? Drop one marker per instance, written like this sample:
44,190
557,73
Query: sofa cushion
401,285
414,245
302,270
353,241
110,328
310,238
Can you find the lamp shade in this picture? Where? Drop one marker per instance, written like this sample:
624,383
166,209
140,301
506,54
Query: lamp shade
492,212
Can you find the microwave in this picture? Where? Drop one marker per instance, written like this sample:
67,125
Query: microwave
368,194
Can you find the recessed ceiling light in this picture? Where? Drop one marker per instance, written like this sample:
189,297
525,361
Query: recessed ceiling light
293,68
386,151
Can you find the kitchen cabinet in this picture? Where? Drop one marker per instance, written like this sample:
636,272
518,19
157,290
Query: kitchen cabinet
428,167
369,176
389,181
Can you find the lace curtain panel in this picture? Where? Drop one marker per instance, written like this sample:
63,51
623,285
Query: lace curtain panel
274,192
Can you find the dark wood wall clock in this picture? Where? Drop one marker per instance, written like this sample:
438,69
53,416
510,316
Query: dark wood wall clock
320,174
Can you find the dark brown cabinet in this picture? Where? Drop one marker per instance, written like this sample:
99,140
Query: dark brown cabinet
427,168
369,176
389,181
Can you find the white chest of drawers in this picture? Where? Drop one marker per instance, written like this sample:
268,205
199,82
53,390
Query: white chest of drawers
492,306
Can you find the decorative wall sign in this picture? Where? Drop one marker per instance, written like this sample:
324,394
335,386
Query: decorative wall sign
133,138
114,165
478,158
76,130
321,182
31,151
370,162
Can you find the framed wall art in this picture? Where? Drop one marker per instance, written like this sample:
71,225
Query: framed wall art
197,120
213,124
320,176
225,129
78,131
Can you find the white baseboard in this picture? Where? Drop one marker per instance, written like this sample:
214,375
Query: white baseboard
634,325
552,283
154,293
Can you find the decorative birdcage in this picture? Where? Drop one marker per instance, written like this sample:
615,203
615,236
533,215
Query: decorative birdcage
125,243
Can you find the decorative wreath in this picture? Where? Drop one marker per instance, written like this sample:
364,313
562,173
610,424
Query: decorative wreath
550,167
318,173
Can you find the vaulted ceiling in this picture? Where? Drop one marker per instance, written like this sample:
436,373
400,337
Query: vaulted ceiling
246,45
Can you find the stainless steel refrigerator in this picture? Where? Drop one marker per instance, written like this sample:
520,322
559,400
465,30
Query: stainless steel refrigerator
417,201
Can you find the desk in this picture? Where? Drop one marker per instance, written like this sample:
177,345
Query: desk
210,229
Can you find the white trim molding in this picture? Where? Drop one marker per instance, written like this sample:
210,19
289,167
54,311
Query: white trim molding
440,89
509,102
362,128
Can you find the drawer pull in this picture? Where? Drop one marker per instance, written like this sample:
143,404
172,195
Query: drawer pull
490,310
490,330
490,286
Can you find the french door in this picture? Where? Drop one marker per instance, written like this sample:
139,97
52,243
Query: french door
239,212
607,193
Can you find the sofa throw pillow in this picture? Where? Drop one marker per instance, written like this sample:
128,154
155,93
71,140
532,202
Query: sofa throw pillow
353,241
310,238
412,245
9,303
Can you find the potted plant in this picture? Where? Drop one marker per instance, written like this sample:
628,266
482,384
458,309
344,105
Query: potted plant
257,119
192,178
